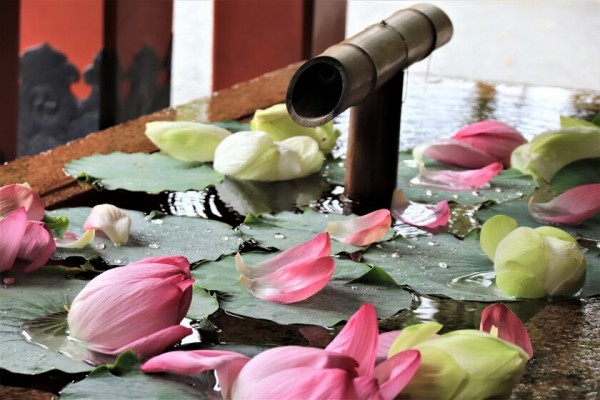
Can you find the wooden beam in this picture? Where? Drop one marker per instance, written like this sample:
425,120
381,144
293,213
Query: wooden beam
9,78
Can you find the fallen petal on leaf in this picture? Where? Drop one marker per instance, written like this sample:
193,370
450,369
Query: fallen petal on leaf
569,208
361,231
457,180
72,241
111,220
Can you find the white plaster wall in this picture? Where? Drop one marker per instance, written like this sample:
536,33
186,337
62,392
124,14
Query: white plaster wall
192,50
537,42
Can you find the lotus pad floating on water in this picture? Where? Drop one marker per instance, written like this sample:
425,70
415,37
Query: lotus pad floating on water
36,296
124,376
286,229
194,238
429,265
140,172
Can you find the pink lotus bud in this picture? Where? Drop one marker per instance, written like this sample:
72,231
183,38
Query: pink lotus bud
137,307
478,145
492,137
13,197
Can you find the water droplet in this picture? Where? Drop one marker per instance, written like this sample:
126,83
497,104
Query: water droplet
279,236
411,246
432,243
154,246
442,265
208,231
455,196
354,287
428,193
100,246
224,237
498,190
476,193
157,221
396,255
520,194
117,261
378,246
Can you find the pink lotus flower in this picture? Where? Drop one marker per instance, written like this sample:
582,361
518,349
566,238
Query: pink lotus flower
13,197
137,307
569,208
466,363
478,145
361,231
24,245
416,214
344,370
293,275
504,324
496,319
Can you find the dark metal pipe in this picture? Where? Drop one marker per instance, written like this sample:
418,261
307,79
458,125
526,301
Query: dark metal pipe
366,70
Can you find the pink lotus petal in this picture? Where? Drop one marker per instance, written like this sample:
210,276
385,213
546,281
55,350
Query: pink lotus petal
386,339
425,215
111,220
394,373
510,327
459,180
363,387
304,383
12,231
157,341
317,247
278,359
492,137
36,248
361,231
71,241
569,208
458,153
358,339
291,283
13,197
227,364
291,370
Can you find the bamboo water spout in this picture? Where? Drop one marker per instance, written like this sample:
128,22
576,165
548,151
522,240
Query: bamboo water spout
366,72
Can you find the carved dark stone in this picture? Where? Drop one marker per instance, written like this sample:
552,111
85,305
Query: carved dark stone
49,113
46,104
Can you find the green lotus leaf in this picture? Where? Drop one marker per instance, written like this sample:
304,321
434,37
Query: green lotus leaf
194,238
140,172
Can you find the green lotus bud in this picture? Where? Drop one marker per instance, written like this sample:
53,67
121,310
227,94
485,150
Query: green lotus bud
464,364
186,140
253,155
549,152
278,124
533,263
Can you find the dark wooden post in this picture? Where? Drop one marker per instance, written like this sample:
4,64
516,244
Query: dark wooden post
9,78
373,143
136,59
